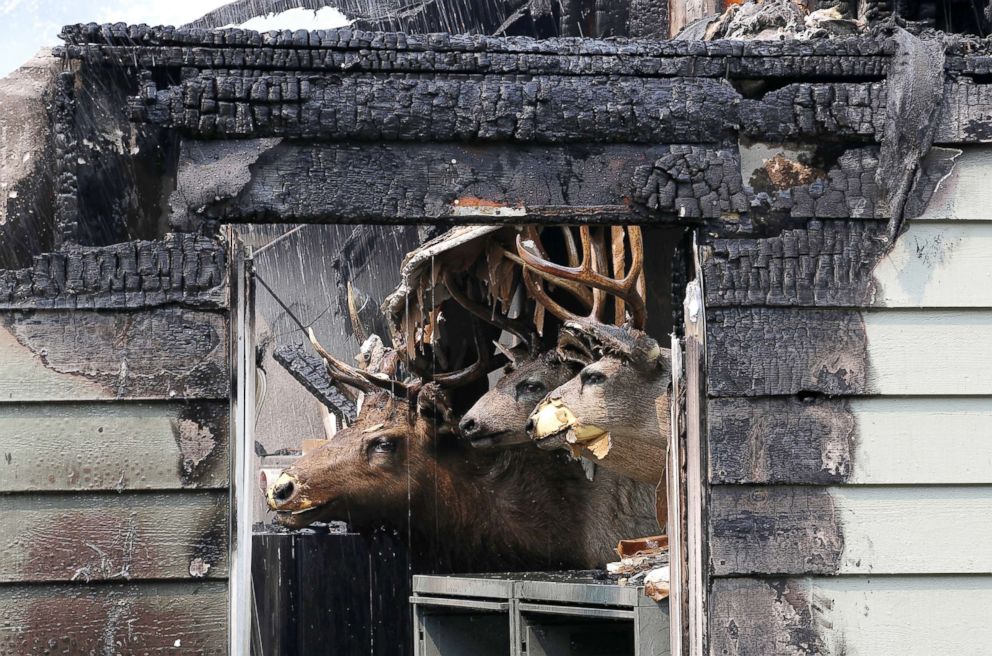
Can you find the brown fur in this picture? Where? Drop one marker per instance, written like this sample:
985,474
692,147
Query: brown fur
466,509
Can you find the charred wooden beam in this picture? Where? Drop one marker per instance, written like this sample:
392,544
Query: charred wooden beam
548,109
353,182
310,371
803,110
677,59
825,263
181,268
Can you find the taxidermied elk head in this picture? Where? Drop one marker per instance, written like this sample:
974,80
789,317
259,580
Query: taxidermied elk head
370,469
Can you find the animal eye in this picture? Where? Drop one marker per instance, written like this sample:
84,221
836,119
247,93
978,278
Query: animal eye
530,387
383,446
592,378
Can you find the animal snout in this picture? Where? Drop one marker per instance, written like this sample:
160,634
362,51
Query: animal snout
531,426
469,426
282,491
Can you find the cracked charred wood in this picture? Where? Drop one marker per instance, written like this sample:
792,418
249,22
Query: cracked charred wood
785,351
825,263
547,109
181,268
310,371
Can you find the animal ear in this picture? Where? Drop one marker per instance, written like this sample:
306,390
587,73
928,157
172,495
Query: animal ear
434,404
648,355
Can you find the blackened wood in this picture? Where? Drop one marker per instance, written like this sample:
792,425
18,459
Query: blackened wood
133,618
166,353
183,269
363,182
825,263
966,114
780,440
311,372
120,34
97,537
774,617
773,530
778,351
547,109
816,109
660,59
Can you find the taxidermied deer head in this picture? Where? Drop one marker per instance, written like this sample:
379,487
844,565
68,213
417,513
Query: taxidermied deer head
615,410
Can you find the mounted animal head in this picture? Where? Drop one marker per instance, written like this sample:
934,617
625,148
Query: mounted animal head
372,469
499,417
623,393
368,472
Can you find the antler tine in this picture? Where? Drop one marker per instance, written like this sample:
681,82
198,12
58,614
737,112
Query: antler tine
578,291
489,315
353,376
573,251
624,288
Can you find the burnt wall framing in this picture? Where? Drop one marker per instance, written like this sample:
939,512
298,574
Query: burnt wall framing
509,129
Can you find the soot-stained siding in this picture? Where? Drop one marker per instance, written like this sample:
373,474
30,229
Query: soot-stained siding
114,404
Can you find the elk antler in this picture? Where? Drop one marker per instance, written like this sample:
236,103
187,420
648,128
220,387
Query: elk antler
484,364
354,376
626,288
489,314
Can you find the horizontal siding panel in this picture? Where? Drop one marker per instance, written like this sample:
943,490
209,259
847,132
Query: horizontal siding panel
139,618
168,353
849,264
850,530
784,351
113,446
937,265
965,194
94,537
935,440
854,616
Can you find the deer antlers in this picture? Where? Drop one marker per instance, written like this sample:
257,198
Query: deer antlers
628,288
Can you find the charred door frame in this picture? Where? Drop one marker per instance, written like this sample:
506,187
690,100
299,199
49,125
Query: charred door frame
243,423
